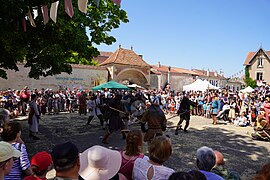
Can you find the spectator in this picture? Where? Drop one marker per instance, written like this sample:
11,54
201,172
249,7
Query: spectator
206,160
4,118
41,163
33,118
98,163
221,170
181,176
160,150
12,134
66,161
241,120
134,143
7,153
197,175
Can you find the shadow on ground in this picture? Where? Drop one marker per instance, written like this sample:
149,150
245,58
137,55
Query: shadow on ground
240,152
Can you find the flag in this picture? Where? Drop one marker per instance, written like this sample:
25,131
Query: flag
118,2
35,12
82,4
30,18
44,10
69,8
96,2
24,24
53,11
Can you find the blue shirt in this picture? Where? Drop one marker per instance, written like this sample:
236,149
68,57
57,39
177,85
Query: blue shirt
211,176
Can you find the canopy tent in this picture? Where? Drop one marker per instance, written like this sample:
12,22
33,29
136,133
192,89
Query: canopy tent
136,86
247,90
110,85
209,85
199,85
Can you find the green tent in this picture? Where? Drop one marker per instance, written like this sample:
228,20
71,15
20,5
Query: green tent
110,85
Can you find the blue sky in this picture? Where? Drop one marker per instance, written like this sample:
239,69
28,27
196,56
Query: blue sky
214,34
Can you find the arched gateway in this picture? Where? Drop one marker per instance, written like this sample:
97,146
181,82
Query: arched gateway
126,66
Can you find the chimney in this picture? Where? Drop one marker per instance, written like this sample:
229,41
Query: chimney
119,46
141,55
131,48
215,73
158,64
207,72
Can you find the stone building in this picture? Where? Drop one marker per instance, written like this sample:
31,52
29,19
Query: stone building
258,64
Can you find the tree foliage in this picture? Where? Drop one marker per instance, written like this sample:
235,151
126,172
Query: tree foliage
49,49
249,82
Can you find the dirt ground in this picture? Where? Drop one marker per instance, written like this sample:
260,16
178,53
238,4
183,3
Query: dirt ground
242,153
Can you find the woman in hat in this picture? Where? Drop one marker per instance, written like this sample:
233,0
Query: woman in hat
100,163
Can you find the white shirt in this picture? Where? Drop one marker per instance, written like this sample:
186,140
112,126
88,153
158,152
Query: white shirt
141,167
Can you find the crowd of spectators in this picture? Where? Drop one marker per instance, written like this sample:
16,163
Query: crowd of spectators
98,162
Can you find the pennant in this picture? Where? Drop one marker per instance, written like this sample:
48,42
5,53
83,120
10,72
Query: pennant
69,8
35,12
82,4
44,10
118,2
24,24
29,15
96,2
53,11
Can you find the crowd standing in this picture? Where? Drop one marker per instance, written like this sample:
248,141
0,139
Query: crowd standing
116,110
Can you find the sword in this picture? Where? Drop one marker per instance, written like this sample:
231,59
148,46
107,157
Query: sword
117,110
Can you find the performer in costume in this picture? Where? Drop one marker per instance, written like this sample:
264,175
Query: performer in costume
156,121
115,121
93,106
184,112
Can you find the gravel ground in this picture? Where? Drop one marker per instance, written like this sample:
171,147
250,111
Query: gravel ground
241,153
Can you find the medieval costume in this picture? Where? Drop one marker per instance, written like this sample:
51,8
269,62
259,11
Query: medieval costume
184,112
33,118
262,129
156,122
93,105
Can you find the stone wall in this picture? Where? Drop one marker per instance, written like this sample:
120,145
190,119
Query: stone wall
82,77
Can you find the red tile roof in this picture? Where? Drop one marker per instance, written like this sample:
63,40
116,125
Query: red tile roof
125,56
102,56
163,68
204,73
251,55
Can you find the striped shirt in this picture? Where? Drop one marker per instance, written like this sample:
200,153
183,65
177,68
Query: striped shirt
20,164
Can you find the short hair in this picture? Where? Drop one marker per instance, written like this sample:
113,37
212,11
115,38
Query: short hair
10,131
160,149
181,176
65,156
197,175
206,158
134,142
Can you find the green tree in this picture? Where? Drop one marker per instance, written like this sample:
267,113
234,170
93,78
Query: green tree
249,82
49,49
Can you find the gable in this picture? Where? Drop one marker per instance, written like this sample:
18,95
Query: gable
252,56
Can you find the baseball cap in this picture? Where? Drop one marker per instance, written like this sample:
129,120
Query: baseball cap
42,160
7,151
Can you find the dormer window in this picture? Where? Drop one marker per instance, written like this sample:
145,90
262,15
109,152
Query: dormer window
260,63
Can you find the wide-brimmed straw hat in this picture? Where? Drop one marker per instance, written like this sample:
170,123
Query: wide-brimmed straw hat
98,163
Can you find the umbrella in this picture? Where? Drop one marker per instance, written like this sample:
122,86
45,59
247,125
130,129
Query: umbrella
110,85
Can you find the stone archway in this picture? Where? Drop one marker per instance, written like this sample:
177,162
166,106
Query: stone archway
133,76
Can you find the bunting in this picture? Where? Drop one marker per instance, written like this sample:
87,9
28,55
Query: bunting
69,8
118,2
44,10
53,11
82,4
29,15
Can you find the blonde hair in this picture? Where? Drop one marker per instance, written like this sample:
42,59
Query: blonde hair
134,143
160,149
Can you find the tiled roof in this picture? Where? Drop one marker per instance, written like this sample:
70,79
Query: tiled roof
204,73
125,56
163,68
102,56
251,55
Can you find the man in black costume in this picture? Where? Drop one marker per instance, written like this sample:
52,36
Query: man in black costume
184,112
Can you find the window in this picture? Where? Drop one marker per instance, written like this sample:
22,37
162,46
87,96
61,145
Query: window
259,76
260,62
